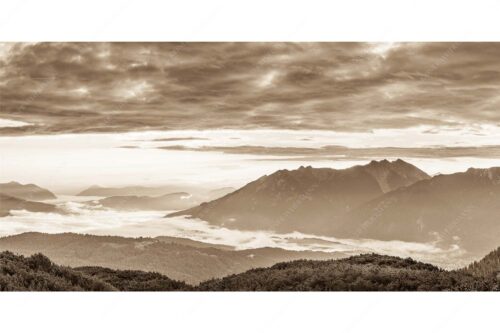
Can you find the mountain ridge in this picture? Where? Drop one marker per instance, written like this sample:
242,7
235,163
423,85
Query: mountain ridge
459,208
283,200
170,201
8,203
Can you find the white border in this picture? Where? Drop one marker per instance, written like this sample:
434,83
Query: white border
249,312
258,20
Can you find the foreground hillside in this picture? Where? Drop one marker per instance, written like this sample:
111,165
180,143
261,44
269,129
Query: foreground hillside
128,280
179,259
38,273
370,272
489,266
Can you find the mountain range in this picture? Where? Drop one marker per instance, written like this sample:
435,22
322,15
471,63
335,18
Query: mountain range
99,191
460,208
381,200
309,200
153,191
150,198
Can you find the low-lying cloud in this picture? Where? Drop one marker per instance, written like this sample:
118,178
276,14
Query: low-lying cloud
97,221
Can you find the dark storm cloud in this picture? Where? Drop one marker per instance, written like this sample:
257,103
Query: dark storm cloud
117,87
346,153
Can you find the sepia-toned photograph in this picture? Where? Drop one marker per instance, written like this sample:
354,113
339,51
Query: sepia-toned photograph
249,166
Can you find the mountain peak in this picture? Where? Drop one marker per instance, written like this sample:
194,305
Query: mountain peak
385,161
395,174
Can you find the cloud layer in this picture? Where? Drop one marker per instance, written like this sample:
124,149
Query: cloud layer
346,153
86,219
119,87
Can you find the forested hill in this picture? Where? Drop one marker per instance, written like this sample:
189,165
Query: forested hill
489,266
38,273
130,280
368,272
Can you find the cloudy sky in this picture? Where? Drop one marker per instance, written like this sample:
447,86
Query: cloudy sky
88,113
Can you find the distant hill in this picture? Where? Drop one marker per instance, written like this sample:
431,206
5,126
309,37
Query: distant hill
26,192
98,191
368,272
38,273
460,208
489,266
178,260
8,203
192,243
308,200
166,198
172,201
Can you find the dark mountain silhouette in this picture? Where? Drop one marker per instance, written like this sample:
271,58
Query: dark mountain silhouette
8,203
367,272
460,208
172,201
308,199
179,261
26,192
